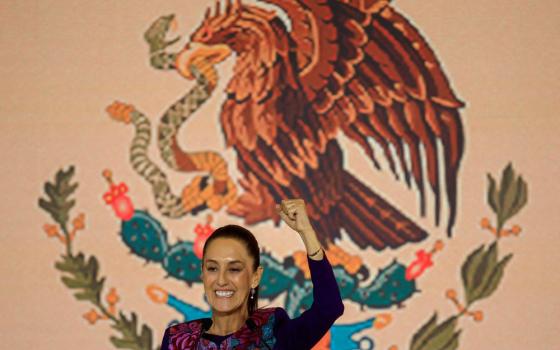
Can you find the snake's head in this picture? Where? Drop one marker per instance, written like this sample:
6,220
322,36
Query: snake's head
156,34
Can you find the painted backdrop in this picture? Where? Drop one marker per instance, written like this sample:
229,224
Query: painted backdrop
421,134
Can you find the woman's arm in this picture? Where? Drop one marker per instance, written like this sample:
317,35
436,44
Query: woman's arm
306,330
294,214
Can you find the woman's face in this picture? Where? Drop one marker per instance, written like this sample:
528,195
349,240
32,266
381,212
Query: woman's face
228,275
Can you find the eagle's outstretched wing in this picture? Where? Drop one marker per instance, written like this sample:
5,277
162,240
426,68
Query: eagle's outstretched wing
368,71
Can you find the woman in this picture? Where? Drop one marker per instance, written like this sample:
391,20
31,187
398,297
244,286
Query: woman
231,273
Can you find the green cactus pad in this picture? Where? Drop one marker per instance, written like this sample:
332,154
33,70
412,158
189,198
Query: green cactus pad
145,236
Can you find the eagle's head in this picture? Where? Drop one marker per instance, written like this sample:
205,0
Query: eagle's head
231,27
220,27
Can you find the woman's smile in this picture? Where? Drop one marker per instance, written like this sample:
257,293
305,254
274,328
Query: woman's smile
224,293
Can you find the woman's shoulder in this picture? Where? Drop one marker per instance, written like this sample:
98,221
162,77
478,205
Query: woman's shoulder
193,326
186,333
269,315
267,312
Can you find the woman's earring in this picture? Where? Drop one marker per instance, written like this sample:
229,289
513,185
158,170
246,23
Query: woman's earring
252,293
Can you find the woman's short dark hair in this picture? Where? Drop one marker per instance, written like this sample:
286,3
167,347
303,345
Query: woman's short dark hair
248,239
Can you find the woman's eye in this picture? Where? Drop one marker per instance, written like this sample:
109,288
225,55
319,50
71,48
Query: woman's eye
211,269
235,270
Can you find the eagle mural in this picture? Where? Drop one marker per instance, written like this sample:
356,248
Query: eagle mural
355,67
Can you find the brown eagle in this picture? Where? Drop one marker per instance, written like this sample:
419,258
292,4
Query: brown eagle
352,66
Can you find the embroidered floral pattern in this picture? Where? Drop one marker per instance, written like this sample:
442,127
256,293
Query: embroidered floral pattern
188,335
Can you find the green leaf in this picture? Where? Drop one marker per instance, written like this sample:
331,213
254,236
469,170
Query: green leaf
61,175
146,335
57,200
66,266
80,259
57,204
63,186
47,206
483,273
133,321
66,206
67,189
86,295
492,255
441,335
485,267
520,198
98,287
420,337
124,343
92,267
495,278
492,195
130,339
506,182
453,344
470,267
74,283
82,276
50,190
508,200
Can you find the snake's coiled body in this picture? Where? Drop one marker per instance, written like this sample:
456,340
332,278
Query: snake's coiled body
199,194
167,202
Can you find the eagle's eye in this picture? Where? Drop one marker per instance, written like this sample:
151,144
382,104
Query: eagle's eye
206,33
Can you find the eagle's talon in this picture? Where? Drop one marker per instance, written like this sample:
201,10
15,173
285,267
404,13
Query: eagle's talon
256,204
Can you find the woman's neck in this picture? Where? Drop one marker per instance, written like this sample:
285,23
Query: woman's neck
227,324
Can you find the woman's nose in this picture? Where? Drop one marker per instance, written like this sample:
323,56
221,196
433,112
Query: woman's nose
222,278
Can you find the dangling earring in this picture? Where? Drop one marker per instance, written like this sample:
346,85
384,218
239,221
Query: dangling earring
252,293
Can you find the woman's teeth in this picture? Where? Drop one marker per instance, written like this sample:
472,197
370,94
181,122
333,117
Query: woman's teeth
224,294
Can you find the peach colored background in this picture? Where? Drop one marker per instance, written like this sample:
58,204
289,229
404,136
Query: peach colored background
62,62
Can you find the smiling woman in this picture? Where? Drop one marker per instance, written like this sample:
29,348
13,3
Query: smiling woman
231,273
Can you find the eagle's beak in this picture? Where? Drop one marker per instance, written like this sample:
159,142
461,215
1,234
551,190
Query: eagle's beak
200,55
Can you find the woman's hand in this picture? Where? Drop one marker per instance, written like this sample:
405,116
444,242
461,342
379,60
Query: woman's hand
294,214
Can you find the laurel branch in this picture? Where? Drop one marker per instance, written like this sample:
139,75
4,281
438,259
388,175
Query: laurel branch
482,271
81,273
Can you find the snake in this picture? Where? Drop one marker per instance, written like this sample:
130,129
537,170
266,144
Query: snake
199,194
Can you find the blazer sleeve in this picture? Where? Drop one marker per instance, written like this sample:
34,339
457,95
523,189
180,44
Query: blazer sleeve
306,330
165,340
